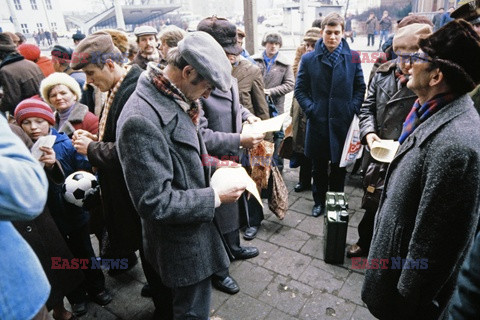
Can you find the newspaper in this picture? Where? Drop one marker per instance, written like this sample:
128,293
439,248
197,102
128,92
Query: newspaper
43,141
269,125
232,176
384,150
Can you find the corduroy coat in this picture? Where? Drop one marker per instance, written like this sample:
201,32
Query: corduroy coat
121,218
161,155
428,210
329,97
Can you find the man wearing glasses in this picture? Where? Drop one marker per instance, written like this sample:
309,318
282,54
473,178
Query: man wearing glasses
428,212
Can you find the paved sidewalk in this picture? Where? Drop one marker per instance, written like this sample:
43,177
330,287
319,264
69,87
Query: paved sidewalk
288,280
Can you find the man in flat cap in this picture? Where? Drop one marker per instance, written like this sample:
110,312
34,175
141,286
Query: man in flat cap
161,154
428,212
104,67
147,46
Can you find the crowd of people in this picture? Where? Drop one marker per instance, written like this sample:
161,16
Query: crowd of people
144,116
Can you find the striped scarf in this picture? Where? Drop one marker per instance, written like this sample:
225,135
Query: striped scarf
108,104
332,56
420,113
170,90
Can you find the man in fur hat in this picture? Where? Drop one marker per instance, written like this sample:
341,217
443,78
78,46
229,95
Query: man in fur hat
19,78
428,212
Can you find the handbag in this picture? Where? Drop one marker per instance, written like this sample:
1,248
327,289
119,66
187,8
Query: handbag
278,199
373,184
286,145
352,148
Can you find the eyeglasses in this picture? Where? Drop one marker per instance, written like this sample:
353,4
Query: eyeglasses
414,57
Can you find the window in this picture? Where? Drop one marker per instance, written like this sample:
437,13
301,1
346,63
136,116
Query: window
48,4
54,24
39,26
34,4
24,28
18,5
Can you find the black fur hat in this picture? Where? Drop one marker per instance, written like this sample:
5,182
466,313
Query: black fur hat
273,37
455,48
223,31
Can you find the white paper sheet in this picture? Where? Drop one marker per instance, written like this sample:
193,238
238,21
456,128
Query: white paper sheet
270,125
44,141
384,150
231,176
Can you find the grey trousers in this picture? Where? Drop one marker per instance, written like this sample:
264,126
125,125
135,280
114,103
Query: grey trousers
192,302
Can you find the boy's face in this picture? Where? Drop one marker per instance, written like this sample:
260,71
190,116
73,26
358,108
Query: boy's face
332,36
35,127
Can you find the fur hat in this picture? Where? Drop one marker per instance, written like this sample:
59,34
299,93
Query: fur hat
6,43
312,34
406,39
223,31
33,107
207,57
119,38
455,48
273,37
469,11
29,51
57,78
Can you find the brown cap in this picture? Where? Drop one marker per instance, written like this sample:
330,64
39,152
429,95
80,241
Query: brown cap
406,38
469,11
312,34
223,31
96,48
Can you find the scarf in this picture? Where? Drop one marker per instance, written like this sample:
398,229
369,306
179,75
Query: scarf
108,104
402,78
164,85
269,62
420,113
332,56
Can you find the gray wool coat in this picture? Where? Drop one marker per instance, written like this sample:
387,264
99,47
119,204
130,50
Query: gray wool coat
220,125
160,151
428,210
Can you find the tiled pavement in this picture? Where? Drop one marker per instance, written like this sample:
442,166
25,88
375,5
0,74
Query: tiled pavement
288,280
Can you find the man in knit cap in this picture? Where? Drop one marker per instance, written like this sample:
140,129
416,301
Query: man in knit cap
381,117
428,212
19,78
161,154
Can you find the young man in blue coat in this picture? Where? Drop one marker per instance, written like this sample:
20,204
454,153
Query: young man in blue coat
330,88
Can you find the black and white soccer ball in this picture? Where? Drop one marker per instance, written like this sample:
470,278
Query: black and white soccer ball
77,185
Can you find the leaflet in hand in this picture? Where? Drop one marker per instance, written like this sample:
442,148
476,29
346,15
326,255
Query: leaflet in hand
226,177
269,125
44,141
384,150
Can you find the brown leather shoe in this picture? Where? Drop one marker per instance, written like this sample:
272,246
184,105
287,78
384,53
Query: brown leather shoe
355,251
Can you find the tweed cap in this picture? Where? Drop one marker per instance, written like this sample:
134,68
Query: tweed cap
96,48
406,38
6,43
33,107
205,55
469,11
223,31
144,30
55,79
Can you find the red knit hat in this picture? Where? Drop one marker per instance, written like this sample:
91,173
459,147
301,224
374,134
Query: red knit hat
34,107
29,51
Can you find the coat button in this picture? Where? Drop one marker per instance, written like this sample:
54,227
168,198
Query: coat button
28,228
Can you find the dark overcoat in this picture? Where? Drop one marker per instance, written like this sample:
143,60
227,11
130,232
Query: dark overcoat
220,127
329,97
161,155
428,215
121,219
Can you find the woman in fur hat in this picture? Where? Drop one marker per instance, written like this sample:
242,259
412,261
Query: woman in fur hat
63,94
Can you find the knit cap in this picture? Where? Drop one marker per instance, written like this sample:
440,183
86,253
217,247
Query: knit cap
34,107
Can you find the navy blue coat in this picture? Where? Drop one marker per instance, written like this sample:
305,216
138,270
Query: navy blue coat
329,97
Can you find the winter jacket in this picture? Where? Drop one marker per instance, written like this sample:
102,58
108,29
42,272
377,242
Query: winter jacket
79,118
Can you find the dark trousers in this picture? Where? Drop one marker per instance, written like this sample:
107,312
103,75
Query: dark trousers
365,229
371,37
305,175
232,240
255,213
80,245
192,302
277,139
324,181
